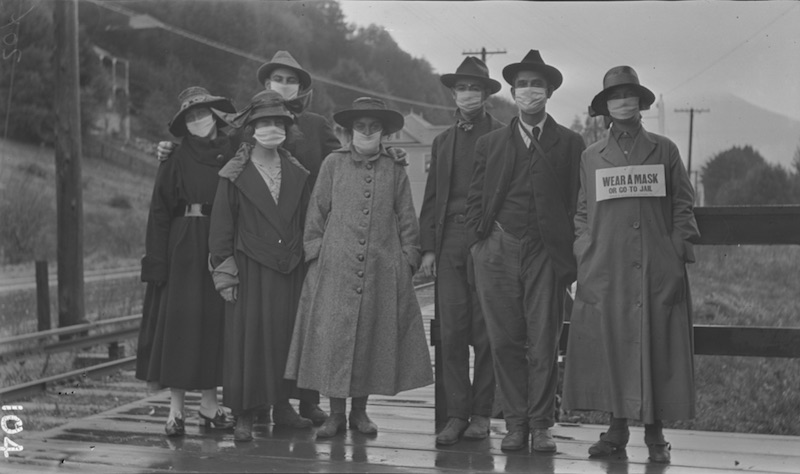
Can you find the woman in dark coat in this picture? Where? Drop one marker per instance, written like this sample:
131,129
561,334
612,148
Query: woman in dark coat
359,329
180,340
256,246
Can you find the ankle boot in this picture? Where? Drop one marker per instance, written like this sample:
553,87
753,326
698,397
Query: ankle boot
244,427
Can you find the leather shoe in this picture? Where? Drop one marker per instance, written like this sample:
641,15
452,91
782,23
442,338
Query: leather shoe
332,425
361,422
609,444
659,452
244,427
313,412
514,440
175,427
220,421
283,414
478,427
452,431
543,441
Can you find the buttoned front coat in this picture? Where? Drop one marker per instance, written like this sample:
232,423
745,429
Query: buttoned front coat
437,187
630,341
554,182
359,328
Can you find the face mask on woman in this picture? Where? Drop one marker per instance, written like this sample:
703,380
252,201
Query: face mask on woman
531,100
201,127
623,109
288,91
469,101
270,136
366,144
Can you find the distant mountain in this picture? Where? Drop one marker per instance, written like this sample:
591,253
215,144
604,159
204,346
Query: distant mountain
731,121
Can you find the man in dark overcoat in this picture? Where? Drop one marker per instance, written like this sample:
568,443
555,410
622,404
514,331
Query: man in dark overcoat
445,239
520,207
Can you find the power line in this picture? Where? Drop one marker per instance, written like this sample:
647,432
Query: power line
155,23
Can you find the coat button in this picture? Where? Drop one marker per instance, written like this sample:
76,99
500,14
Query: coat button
358,290
636,225
360,257
637,265
360,273
220,158
368,179
362,241
367,194
365,211
369,166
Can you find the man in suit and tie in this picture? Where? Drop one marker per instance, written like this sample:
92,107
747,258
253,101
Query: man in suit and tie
520,209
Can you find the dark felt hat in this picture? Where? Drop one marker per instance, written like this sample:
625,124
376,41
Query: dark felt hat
285,60
618,76
371,107
194,97
533,62
472,68
266,103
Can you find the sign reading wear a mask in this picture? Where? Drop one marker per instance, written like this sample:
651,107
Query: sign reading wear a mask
630,181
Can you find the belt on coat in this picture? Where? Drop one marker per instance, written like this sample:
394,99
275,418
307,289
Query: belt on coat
194,210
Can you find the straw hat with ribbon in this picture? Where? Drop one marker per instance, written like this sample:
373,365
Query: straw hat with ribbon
391,120
266,103
195,97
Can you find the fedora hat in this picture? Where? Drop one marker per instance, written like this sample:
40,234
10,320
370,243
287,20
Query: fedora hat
618,76
266,103
285,60
371,107
472,68
533,62
193,97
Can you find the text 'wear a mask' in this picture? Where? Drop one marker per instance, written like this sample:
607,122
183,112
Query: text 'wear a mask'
623,109
201,127
531,100
469,101
288,91
270,136
366,144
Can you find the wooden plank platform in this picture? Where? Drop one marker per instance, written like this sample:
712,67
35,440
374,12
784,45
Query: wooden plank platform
131,439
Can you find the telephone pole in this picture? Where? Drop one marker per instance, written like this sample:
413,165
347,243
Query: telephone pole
691,111
483,53
69,194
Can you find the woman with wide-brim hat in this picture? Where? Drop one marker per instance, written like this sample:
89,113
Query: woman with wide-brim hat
256,257
359,329
180,340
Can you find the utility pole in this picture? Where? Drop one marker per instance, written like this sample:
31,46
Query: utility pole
691,111
483,53
69,193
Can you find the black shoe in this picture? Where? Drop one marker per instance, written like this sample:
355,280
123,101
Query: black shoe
610,443
175,427
283,414
244,427
659,452
220,421
361,422
514,440
335,423
313,412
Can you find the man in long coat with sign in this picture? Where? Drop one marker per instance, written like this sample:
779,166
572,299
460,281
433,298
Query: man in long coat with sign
630,342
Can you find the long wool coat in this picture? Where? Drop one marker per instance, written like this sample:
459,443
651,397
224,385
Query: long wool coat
180,339
257,245
359,328
630,346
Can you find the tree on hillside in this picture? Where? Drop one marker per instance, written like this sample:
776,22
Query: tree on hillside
591,129
727,167
764,184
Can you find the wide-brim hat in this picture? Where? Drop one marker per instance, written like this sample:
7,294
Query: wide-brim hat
472,68
285,60
266,103
391,120
533,62
619,76
194,97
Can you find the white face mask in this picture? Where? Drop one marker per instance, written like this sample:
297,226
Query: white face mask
469,101
270,136
366,144
288,91
623,109
201,127
530,100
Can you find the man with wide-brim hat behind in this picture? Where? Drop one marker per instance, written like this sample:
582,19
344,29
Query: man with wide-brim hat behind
630,342
445,238
520,207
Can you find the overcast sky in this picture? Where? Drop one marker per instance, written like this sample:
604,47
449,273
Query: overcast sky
683,50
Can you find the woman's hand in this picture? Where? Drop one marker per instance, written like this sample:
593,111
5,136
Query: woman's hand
230,293
428,265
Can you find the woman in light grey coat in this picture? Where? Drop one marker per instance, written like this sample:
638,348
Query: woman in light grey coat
359,329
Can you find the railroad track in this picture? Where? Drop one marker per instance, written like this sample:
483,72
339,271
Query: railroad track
27,282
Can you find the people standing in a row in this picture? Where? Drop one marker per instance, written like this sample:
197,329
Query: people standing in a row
180,339
359,327
256,256
445,245
630,344
520,207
